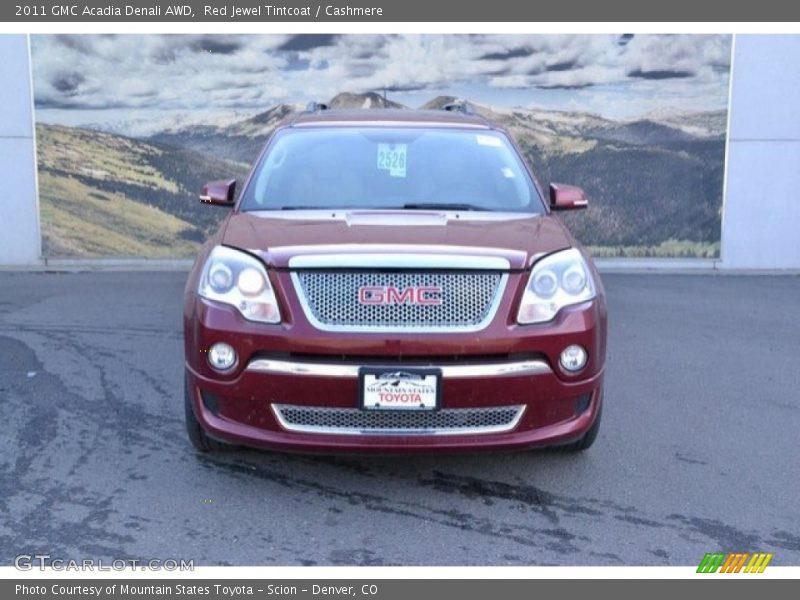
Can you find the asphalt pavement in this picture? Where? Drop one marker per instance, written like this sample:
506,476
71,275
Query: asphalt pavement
698,451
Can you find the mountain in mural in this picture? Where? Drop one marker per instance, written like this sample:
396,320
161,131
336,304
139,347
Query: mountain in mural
347,100
102,194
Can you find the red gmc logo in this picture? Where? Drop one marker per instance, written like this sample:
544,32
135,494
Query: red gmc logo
388,294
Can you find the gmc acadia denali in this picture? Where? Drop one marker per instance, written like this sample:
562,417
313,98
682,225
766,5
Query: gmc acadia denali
393,281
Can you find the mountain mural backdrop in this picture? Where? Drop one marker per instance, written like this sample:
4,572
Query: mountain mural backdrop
645,139
655,184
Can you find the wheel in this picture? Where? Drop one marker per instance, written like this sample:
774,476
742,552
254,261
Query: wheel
585,442
197,435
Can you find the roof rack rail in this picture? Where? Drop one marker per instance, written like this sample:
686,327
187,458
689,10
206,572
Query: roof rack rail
316,106
461,106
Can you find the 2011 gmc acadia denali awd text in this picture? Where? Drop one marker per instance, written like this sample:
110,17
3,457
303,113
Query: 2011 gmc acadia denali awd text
393,281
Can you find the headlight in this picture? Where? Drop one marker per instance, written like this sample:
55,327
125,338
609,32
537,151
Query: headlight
556,281
238,279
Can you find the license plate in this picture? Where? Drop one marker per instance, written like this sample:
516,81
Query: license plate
399,389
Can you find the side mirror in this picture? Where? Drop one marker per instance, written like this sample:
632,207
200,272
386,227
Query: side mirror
567,197
219,193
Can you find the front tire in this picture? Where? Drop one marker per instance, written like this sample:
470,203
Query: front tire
197,435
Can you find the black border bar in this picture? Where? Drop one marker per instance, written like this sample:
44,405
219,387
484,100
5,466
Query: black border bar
243,11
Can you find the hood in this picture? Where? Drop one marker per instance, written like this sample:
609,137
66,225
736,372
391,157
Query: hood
278,236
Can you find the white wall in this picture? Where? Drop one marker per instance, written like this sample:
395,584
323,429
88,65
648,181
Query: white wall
761,218
20,242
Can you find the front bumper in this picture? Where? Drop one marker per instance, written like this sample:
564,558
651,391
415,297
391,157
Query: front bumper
294,365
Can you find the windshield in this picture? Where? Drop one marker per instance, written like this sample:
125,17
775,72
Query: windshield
381,167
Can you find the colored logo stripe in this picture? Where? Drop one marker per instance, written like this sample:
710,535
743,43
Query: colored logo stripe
759,561
733,562
711,562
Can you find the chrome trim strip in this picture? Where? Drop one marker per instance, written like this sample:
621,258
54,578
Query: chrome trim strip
276,410
523,367
465,371
398,261
284,367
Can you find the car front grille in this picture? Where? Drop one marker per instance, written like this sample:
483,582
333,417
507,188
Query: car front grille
330,298
353,421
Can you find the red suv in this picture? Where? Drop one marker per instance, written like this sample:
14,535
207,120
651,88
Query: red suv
393,281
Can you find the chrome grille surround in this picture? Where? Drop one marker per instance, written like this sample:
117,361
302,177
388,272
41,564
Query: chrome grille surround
354,421
471,293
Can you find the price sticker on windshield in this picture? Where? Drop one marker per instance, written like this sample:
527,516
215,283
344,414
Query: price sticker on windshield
392,158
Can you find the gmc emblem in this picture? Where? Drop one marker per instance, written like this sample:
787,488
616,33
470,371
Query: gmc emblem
425,295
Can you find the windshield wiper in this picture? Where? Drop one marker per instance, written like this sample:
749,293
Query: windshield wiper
442,206
301,207
409,206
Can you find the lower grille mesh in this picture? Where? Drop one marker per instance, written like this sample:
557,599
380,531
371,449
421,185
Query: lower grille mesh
312,419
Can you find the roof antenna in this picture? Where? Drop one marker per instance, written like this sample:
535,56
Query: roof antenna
461,106
316,106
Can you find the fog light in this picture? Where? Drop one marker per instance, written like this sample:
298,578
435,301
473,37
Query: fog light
573,358
222,356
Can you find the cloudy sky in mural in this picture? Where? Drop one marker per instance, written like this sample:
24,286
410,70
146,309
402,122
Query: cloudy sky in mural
90,78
